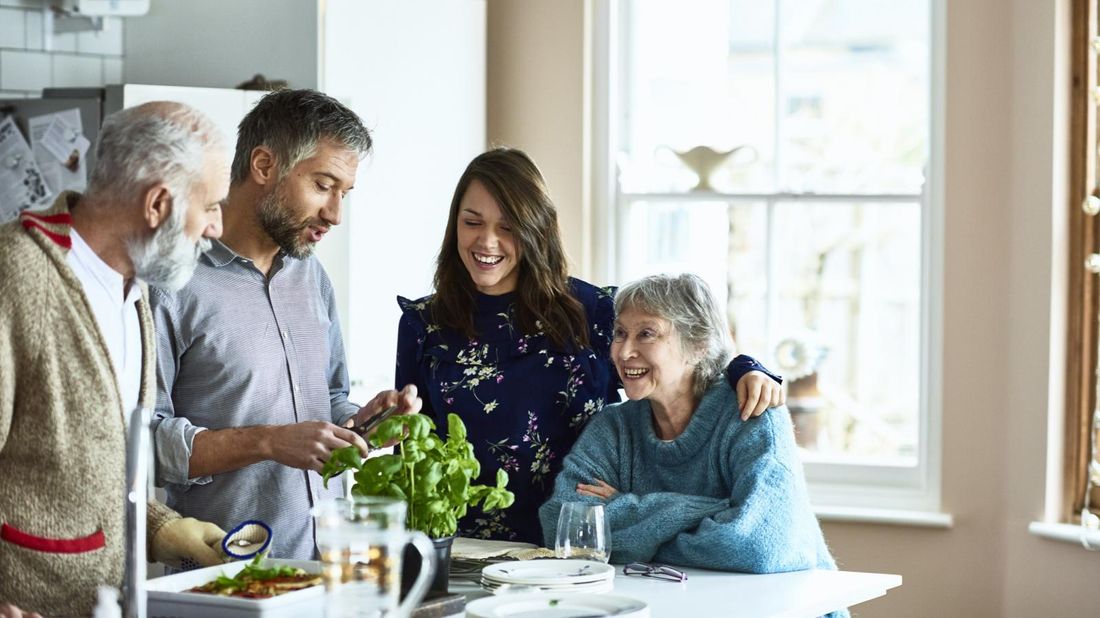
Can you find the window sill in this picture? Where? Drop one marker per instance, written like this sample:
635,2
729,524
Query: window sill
892,517
1067,533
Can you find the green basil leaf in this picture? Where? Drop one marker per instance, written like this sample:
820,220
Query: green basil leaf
341,459
419,426
456,429
391,430
395,491
383,465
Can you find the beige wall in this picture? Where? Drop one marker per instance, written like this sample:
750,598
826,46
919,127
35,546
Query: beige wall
1041,577
1003,249
536,100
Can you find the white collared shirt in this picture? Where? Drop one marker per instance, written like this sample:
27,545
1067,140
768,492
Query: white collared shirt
115,313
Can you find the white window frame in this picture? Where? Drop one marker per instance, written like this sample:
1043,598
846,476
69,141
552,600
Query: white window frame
839,491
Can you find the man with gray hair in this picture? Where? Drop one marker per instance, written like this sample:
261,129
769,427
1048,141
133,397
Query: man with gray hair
253,385
77,354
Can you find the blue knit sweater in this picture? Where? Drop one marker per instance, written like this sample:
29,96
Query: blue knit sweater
726,494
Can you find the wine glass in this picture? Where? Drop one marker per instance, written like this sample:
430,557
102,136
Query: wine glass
583,532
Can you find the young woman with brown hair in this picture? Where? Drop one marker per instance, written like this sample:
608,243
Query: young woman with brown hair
514,345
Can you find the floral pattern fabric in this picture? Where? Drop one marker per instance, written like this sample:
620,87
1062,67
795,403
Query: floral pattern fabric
523,400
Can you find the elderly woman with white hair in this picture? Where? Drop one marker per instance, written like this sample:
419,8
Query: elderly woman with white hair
684,479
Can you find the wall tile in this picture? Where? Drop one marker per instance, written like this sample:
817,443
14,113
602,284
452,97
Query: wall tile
12,28
70,71
24,70
112,71
107,41
76,59
64,42
34,29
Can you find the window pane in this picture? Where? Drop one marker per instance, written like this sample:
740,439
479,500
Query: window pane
823,96
675,237
838,103
843,324
854,96
840,318
687,84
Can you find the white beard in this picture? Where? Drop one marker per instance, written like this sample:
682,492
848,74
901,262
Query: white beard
167,259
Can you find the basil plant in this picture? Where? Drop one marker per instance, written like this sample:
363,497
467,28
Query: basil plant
431,474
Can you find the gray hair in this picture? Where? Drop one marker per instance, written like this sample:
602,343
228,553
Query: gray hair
291,123
152,143
167,258
687,303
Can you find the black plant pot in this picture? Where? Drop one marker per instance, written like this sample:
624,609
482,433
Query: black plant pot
411,565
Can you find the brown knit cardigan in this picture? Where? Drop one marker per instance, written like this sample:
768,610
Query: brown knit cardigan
62,429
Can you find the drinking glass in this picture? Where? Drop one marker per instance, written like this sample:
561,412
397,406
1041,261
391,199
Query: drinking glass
583,532
361,542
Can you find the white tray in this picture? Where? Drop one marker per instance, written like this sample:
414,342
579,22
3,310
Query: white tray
167,598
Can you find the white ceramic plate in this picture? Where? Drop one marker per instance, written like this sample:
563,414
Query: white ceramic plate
588,587
543,572
549,605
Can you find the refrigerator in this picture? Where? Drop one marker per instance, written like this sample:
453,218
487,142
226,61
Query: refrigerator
47,144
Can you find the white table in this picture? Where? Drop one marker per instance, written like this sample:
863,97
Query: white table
800,594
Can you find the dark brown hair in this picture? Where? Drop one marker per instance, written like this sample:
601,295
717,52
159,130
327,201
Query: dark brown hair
544,300
291,123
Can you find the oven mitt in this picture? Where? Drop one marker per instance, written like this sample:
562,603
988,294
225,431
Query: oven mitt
246,540
188,543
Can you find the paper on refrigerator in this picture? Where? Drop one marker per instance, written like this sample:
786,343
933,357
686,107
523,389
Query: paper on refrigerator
65,142
60,148
22,185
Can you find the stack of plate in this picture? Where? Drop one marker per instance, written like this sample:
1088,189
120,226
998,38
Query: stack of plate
548,576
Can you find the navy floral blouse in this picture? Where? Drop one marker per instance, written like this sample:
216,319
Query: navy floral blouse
524,402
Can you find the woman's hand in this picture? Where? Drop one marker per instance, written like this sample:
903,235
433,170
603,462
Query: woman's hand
756,392
599,490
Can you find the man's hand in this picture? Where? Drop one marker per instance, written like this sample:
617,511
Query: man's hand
187,542
757,392
598,490
8,610
308,445
406,401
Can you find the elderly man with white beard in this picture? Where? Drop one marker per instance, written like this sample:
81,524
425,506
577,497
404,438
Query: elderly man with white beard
77,353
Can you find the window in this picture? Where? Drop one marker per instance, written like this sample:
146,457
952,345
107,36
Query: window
782,150
1082,467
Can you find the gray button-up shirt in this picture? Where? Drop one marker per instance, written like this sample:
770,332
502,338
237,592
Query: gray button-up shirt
234,349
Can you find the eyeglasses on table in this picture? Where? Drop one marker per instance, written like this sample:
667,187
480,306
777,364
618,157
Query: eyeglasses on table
656,571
